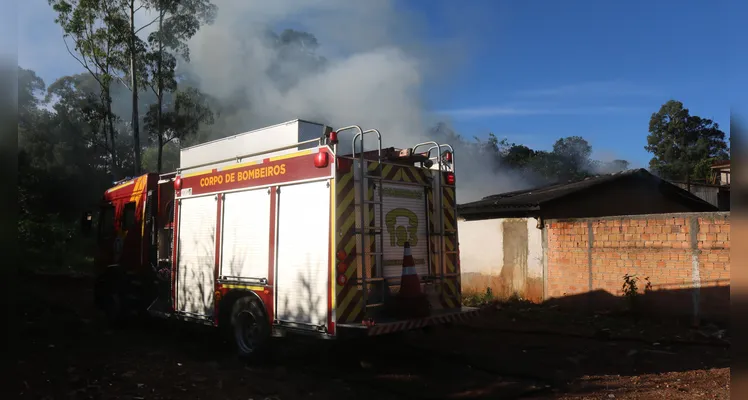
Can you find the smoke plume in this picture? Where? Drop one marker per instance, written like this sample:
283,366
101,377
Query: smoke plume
365,68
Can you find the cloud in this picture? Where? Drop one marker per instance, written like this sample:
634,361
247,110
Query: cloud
612,88
508,111
578,99
376,75
8,28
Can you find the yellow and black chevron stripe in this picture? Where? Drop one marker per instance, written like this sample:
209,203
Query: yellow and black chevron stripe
433,239
452,292
370,223
399,173
348,297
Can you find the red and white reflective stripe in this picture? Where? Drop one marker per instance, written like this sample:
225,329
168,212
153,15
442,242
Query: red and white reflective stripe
420,323
409,267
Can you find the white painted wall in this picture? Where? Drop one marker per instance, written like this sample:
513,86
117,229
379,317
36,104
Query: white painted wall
534,249
482,249
480,246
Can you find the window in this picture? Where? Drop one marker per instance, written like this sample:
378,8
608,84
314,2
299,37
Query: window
106,221
128,216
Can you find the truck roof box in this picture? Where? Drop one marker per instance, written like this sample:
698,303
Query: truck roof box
211,154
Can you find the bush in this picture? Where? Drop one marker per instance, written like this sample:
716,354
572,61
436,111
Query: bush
477,299
50,242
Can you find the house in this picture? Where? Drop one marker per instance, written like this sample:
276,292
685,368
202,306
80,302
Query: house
503,238
715,189
721,173
716,194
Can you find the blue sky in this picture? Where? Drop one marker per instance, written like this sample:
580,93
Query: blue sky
539,70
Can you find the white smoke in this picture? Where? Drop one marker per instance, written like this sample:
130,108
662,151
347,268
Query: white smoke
374,76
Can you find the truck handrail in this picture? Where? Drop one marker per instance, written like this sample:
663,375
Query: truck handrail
259,153
439,154
345,128
361,135
435,145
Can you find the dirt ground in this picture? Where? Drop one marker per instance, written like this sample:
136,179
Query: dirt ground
511,352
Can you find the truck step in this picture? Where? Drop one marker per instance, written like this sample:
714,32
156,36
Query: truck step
160,306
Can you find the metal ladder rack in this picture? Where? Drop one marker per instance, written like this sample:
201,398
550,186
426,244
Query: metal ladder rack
441,232
365,229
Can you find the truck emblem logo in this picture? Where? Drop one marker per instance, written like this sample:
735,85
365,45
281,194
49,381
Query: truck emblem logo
399,234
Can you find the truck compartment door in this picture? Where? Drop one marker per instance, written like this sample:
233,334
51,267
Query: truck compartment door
196,255
302,276
245,238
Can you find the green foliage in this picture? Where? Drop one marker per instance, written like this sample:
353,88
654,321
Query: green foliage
478,299
182,119
95,30
519,156
630,289
105,41
568,161
60,172
169,157
683,144
178,21
71,152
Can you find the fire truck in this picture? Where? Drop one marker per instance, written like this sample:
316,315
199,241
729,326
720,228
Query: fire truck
295,228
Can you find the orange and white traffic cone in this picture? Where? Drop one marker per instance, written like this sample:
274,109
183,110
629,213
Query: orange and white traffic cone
412,301
410,285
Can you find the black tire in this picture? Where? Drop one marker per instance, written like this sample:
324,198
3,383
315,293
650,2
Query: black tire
249,329
117,299
109,299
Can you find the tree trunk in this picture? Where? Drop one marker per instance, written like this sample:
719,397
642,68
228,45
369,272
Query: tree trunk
160,153
160,94
110,122
134,85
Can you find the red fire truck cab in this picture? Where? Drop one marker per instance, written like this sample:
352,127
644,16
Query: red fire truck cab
281,230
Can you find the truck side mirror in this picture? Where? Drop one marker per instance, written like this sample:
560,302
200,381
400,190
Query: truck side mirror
86,222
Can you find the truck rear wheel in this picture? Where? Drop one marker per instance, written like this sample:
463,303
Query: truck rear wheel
109,300
250,329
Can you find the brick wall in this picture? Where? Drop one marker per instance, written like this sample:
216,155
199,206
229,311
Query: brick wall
686,257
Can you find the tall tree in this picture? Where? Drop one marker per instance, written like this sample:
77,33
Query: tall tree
79,109
136,48
178,21
93,28
519,156
574,154
30,89
683,143
183,119
60,173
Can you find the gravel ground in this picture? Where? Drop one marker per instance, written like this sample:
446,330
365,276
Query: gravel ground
515,351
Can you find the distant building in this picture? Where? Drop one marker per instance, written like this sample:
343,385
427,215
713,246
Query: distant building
716,189
717,195
721,173
502,243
